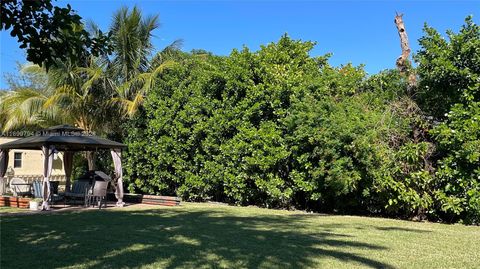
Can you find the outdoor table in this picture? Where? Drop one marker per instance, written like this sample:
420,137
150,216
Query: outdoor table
17,191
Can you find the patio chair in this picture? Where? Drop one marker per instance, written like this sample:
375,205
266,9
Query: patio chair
19,187
78,192
37,189
54,186
98,194
54,196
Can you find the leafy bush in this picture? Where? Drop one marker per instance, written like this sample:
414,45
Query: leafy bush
279,128
274,127
459,170
450,83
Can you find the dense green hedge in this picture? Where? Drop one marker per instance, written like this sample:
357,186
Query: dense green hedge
280,128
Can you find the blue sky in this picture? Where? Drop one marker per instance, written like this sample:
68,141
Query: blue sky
361,32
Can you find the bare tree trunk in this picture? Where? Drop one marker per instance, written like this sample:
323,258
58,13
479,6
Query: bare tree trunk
402,61
91,160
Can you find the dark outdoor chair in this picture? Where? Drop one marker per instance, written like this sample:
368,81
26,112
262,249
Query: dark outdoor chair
38,188
54,186
78,192
98,194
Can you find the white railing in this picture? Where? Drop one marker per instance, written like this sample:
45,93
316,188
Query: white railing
31,178
4,186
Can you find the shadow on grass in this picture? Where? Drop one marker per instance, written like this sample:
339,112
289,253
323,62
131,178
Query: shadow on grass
167,239
402,229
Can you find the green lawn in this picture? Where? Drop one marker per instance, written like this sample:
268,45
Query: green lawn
7,209
216,236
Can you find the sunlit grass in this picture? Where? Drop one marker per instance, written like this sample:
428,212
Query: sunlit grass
216,236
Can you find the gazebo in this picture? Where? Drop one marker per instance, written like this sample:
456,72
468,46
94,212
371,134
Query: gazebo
69,140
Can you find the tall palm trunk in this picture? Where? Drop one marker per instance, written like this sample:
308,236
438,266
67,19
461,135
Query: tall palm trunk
82,122
90,155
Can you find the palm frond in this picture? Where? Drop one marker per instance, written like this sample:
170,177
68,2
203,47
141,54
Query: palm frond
24,107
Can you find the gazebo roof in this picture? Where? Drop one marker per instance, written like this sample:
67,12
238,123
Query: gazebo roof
64,138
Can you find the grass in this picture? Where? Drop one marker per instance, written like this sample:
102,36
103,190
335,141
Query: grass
7,209
217,236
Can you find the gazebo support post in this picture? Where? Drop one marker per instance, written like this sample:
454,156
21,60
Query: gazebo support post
117,163
47,172
68,165
3,169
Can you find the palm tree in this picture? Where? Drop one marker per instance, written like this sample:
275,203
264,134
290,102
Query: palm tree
22,107
99,86
131,71
131,39
99,90
135,71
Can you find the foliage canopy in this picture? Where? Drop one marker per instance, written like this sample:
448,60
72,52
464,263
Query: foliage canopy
280,128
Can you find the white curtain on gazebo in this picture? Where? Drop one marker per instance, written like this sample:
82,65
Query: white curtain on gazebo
117,163
3,169
47,172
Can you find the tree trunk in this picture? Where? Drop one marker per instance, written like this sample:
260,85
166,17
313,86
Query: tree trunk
402,61
90,155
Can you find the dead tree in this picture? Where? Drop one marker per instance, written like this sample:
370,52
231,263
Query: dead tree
403,63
